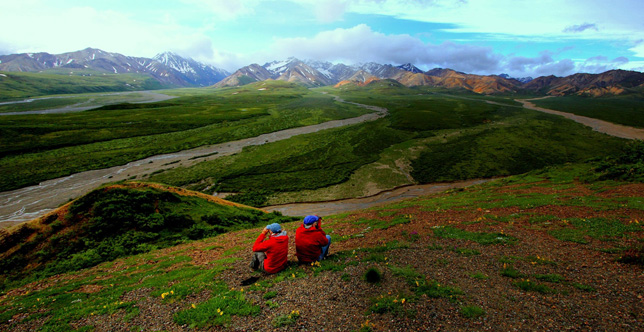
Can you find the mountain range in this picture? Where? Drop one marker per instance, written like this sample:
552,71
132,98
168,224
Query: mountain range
168,68
173,70
317,73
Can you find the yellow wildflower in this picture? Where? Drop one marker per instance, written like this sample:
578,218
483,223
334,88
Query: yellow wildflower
403,301
194,306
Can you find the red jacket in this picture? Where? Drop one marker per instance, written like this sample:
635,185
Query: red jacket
309,243
276,250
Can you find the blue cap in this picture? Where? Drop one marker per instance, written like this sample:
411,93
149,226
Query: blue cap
275,228
309,220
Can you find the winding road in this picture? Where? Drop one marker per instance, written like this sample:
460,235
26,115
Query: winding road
31,202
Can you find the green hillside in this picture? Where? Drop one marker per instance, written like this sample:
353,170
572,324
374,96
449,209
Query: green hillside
626,110
17,85
34,148
117,221
427,137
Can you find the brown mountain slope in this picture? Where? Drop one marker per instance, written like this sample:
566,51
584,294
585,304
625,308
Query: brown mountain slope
613,82
245,75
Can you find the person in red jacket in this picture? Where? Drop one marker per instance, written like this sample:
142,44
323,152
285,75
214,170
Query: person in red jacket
270,251
311,243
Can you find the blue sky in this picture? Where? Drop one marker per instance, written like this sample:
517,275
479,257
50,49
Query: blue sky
522,38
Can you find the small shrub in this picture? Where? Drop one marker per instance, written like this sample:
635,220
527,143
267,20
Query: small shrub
583,287
511,272
633,256
269,295
366,327
556,278
379,258
408,273
284,320
433,289
530,286
217,310
479,275
373,275
472,311
388,304
271,304
467,251
449,232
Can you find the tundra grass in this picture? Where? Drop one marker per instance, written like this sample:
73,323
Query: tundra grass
304,162
15,85
486,196
38,148
409,149
625,110
67,301
77,100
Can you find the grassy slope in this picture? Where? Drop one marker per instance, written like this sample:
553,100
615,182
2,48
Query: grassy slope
15,85
115,221
625,110
531,252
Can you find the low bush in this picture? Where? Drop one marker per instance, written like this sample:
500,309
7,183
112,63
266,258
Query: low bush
373,275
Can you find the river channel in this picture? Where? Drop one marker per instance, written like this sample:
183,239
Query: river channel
32,202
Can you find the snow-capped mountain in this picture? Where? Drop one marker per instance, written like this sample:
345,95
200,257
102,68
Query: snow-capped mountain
291,70
194,72
410,68
520,79
169,73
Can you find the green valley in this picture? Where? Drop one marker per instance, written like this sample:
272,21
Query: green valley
157,250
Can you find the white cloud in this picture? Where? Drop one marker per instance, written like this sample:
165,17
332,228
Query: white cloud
329,10
638,49
362,44
225,9
42,27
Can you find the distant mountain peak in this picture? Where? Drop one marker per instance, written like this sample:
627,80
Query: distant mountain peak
410,68
520,79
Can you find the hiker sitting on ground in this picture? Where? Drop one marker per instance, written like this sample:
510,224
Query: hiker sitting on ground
311,243
270,251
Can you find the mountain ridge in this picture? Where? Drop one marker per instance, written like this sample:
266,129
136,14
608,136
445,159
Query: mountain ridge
171,69
316,73
167,68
